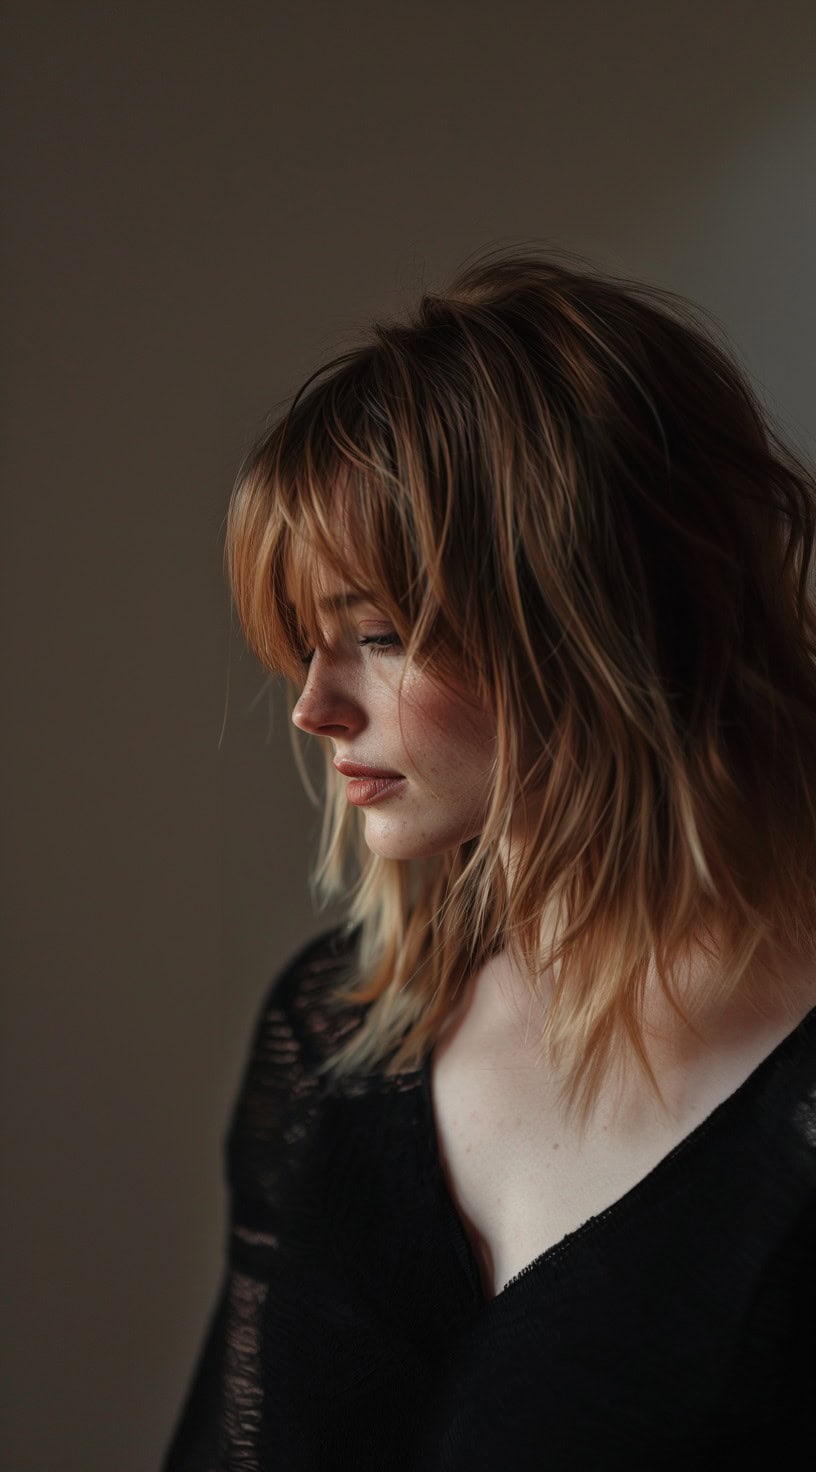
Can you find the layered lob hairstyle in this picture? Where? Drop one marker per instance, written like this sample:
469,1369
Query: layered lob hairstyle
564,492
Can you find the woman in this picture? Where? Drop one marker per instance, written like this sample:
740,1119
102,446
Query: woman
523,1166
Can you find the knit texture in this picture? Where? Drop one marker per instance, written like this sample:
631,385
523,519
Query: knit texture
351,1331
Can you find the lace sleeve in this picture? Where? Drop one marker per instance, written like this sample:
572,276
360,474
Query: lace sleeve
219,1426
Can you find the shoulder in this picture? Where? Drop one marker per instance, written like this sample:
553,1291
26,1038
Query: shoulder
297,1025
298,1019
296,1009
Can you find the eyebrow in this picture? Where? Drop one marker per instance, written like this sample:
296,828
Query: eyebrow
342,600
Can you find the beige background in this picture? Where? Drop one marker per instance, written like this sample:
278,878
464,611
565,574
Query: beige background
202,201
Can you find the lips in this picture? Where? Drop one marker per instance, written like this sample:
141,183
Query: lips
356,769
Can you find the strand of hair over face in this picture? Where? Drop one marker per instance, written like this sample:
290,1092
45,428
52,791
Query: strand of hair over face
563,489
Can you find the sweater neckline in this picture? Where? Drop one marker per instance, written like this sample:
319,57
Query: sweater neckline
635,1194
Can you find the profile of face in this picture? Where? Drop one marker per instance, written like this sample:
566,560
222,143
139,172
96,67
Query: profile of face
441,744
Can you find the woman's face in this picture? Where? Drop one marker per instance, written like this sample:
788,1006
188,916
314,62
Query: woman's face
439,742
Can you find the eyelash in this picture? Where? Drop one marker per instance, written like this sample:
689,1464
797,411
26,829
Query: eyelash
379,644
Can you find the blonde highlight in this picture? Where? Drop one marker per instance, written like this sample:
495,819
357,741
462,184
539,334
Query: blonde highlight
566,495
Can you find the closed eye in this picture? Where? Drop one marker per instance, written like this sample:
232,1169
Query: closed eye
379,644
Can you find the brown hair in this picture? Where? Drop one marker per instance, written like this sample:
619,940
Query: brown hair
563,489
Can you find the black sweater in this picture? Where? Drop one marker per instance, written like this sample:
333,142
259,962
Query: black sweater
676,1328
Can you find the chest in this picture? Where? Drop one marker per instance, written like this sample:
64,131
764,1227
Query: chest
519,1179
518,1182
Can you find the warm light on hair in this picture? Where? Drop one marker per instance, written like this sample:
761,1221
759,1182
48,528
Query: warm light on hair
565,494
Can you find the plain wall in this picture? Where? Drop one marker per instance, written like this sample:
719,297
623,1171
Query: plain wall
201,202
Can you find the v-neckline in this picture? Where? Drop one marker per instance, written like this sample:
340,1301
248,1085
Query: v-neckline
592,1223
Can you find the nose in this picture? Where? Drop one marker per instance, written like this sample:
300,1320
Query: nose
323,710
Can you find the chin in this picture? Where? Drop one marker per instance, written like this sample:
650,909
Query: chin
400,845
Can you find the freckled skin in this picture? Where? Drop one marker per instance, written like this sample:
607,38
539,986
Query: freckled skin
434,738
520,1178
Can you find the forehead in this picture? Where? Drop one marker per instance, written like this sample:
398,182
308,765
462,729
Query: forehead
330,591
332,563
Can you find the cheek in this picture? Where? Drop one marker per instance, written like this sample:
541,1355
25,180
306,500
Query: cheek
438,724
